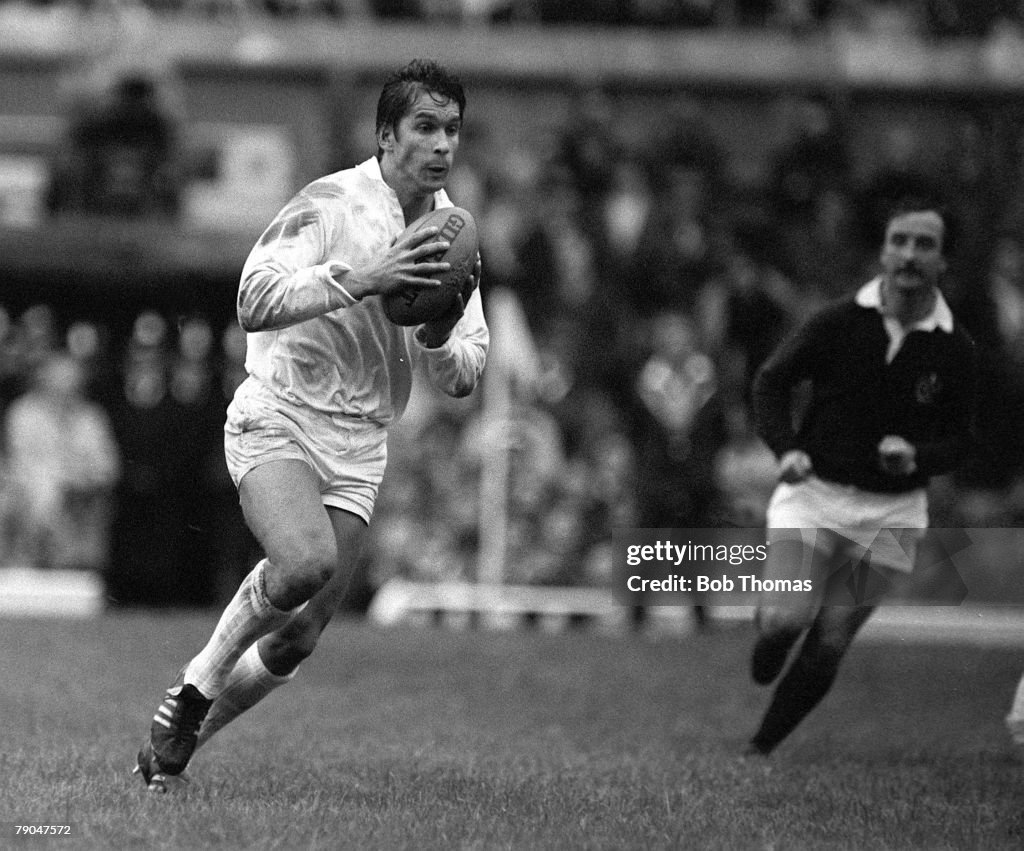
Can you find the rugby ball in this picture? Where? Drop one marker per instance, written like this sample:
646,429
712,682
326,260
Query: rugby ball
413,306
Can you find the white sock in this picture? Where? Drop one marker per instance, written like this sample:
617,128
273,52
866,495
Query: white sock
247,684
249,616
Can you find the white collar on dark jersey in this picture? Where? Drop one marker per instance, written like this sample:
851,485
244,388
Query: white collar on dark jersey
940,318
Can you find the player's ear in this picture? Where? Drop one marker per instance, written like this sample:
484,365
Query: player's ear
386,138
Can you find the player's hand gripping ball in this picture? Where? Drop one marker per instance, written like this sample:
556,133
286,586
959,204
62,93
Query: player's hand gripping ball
415,306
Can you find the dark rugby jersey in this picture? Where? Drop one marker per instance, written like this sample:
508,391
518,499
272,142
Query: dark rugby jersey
925,395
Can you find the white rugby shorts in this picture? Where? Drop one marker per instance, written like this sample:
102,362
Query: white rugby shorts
348,456
831,516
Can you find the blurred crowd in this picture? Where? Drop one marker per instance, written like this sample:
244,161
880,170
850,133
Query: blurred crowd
919,18
635,285
112,458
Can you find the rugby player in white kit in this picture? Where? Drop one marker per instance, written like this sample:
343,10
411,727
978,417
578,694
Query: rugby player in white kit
306,433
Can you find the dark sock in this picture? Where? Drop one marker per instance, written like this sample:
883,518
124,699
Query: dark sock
770,654
805,684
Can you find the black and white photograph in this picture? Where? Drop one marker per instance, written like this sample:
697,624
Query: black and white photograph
462,425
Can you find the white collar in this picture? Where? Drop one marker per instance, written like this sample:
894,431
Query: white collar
371,168
941,317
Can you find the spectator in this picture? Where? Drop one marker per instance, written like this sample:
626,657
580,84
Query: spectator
36,339
64,464
197,407
589,150
625,211
676,432
745,471
675,426
121,156
994,314
901,170
745,311
555,275
813,158
679,247
151,561
9,373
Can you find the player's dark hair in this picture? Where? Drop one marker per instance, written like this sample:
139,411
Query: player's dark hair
403,87
920,203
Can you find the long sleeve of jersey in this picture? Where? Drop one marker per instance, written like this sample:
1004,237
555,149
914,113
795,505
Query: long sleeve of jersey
455,367
774,386
286,278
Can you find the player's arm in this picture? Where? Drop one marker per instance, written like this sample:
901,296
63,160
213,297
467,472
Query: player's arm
287,279
284,280
772,394
455,345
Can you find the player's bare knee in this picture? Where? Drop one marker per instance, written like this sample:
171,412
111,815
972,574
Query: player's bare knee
312,572
306,567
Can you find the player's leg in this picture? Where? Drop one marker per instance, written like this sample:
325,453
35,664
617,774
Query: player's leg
281,502
811,675
248,683
282,505
783,616
284,649
274,659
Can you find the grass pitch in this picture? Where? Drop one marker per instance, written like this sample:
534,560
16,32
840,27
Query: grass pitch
427,739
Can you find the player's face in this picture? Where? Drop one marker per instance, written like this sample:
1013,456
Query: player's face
912,255
420,150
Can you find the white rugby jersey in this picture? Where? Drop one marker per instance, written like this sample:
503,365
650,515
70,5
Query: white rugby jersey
309,340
